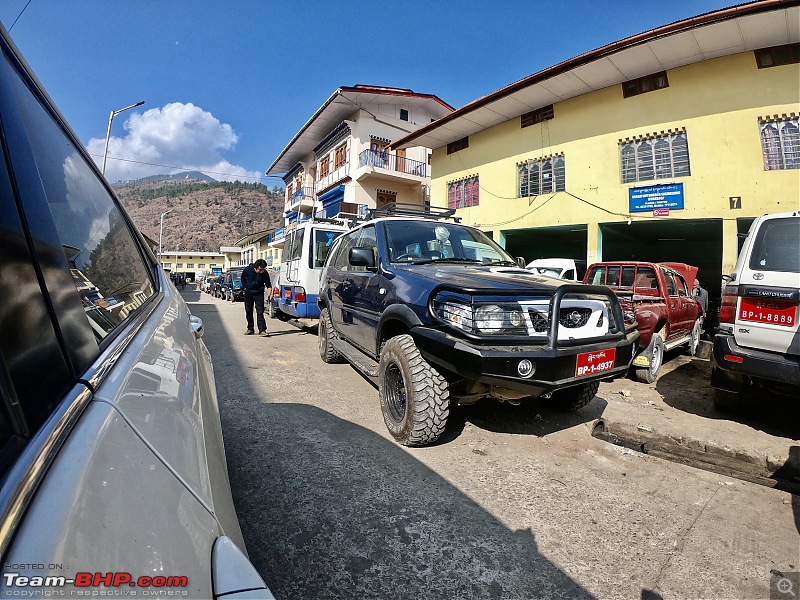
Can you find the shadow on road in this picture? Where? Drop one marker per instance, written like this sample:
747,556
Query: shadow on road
531,417
330,509
687,388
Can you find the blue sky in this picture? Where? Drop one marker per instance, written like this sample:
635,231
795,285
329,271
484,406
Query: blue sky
228,83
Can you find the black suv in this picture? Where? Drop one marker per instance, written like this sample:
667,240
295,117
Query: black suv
434,310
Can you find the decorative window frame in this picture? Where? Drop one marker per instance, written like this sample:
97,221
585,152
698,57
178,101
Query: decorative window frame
544,175
340,155
463,192
659,155
780,141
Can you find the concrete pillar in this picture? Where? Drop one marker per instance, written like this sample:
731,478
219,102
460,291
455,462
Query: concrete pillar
594,244
730,245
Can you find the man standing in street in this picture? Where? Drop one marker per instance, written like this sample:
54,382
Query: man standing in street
254,279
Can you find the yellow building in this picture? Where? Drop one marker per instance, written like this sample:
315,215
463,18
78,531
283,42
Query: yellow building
660,147
193,264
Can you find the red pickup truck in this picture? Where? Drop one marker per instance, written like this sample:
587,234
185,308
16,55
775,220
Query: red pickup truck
660,297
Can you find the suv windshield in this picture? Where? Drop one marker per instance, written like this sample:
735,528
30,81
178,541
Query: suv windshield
423,241
777,246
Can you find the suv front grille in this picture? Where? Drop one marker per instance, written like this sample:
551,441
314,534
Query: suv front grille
571,318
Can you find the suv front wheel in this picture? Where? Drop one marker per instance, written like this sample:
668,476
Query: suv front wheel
414,397
326,335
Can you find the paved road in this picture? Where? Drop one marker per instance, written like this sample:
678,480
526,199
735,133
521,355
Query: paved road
514,503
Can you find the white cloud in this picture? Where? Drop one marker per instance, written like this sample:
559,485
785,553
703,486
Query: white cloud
178,135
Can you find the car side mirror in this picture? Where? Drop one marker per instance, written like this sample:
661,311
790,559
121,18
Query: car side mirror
521,262
361,257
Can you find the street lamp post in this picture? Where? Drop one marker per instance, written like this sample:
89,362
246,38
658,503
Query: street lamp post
161,231
113,114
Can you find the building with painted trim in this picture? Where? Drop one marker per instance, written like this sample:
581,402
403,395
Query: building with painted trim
339,161
662,146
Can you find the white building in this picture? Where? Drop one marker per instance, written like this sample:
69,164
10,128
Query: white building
339,161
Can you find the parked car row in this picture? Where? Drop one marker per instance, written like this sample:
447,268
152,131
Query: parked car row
435,312
227,286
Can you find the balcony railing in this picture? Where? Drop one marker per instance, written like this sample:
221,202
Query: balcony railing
297,197
392,162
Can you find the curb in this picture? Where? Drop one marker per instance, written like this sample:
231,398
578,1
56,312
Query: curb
783,474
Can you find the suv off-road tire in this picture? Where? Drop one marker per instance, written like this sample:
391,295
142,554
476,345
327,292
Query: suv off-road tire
415,401
656,351
326,334
573,398
271,311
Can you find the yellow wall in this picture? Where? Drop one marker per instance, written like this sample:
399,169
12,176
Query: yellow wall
718,102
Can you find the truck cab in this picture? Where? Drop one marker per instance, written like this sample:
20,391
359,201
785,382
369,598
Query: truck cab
296,287
661,300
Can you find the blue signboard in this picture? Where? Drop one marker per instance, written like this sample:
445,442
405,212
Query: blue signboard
646,199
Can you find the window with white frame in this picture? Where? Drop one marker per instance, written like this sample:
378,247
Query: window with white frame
780,144
463,193
542,176
656,157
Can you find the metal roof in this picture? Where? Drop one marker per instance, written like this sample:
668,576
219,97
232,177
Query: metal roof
740,28
343,103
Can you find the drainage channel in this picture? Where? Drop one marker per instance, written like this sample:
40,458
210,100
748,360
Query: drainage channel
784,477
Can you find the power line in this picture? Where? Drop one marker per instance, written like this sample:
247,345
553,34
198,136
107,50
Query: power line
139,162
19,15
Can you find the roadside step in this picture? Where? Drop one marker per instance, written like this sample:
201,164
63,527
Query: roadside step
780,473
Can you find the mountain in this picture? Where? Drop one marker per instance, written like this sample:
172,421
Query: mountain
205,214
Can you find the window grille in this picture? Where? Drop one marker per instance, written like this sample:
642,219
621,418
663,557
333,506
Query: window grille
780,144
543,176
658,157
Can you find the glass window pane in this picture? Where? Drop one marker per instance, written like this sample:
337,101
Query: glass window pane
663,159
535,181
628,158
644,162
560,172
522,178
627,276
680,156
790,138
107,267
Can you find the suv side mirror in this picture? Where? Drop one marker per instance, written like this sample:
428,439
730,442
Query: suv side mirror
361,257
521,261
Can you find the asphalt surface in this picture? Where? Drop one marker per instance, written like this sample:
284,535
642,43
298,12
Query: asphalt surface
514,502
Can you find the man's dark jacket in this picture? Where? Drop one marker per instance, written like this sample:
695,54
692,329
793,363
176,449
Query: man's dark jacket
253,283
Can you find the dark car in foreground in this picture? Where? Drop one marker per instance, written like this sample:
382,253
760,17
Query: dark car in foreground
113,478
435,312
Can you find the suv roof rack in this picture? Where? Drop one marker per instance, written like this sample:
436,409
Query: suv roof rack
392,209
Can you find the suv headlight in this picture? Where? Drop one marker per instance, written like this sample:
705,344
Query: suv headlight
483,319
